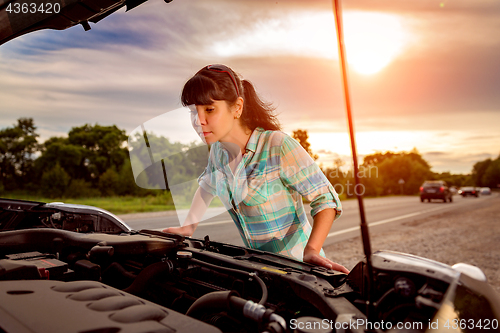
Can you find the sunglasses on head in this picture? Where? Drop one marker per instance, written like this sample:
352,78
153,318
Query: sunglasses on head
224,69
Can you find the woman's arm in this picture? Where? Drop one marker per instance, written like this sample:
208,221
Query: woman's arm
299,172
323,221
201,201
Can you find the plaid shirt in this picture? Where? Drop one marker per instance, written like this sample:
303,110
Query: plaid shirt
263,193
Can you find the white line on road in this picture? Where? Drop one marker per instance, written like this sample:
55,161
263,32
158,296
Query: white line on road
214,223
372,224
205,224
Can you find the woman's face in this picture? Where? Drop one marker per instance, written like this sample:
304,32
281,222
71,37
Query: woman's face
214,122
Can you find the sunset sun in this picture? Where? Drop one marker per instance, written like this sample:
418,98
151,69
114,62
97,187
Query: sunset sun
373,40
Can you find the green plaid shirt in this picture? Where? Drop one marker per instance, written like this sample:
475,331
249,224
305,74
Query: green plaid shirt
264,193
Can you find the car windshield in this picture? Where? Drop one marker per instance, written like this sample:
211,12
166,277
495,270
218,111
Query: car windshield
433,184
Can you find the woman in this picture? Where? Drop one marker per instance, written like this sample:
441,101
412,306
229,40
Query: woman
258,172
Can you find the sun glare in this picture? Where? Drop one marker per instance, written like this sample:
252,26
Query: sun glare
372,39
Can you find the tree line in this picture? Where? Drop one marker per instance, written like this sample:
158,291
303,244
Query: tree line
486,173
382,173
93,160
390,173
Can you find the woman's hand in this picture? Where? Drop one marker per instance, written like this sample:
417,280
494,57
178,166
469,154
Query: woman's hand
315,259
201,201
186,230
322,223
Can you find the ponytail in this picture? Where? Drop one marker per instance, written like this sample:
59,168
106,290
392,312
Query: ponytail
257,113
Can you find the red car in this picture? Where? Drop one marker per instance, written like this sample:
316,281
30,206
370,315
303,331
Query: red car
469,190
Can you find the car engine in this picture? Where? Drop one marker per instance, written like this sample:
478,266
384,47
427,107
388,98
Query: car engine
148,281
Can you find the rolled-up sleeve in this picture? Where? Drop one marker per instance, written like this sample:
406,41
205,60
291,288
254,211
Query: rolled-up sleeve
300,172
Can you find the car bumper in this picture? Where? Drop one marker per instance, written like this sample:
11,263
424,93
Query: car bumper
433,195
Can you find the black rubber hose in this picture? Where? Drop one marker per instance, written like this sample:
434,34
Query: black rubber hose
150,272
216,301
261,283
219,301
117,269
263,286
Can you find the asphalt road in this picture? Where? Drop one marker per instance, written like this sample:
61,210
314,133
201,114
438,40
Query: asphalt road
381,213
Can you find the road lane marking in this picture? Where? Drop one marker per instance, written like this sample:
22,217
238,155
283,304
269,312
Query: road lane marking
214,223
392,219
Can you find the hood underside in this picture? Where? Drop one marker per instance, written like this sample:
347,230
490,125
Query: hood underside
19,17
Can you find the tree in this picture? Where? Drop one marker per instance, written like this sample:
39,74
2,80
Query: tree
457,180
126,184
403,167
390,167
377,158
85,155
491,177
70,157
337,177
108,182
79,188
18,145
55,182
103,148
479,171
302,137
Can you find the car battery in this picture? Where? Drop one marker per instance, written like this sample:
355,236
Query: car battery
48,266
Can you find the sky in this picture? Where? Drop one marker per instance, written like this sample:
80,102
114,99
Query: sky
422,74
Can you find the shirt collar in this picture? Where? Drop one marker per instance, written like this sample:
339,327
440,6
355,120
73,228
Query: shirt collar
254,139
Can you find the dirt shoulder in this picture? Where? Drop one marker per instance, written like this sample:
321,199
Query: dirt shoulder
467,235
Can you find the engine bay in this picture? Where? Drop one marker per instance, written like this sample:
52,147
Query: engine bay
228,288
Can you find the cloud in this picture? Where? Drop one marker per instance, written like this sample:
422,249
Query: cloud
454,162
437,153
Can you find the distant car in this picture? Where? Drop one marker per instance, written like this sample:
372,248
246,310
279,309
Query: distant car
468,191
435,189
453,190
485,191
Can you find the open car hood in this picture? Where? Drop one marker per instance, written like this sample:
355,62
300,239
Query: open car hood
21,214
19,17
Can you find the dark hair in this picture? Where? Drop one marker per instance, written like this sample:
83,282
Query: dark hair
207,86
